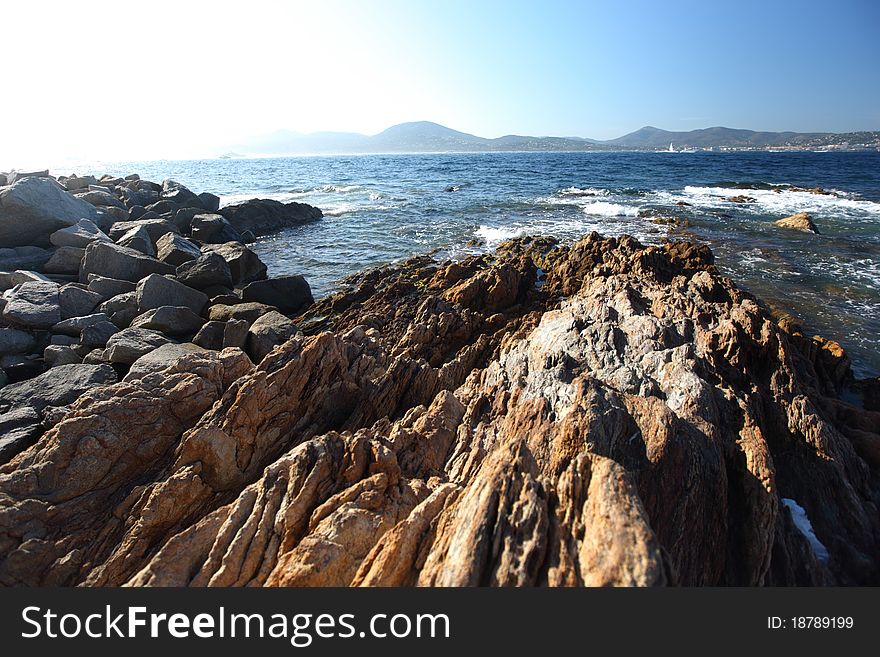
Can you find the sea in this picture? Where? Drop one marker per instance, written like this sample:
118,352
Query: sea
380,209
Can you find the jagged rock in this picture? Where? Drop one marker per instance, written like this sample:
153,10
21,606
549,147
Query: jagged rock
14,341
138,197
206,271
130,344
155,228
155,291
170,320
58,387
213,229
741,198
262,216
290,294
176,250
138,239
80,235
113,261
800,221
121,309
65,260
23,257
75,325
636,420
248,312
15,176
244,264
33,208
19,429
235,333
109,287
57,354
34,304
267,332
98,334
160,359
76,301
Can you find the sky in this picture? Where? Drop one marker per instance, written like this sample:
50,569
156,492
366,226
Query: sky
166,80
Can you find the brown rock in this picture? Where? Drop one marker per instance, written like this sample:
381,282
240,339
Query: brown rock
800,221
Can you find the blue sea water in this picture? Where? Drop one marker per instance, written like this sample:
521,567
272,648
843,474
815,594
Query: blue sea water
382,208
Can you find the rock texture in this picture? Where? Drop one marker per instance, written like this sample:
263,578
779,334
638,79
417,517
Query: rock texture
635,419
800,221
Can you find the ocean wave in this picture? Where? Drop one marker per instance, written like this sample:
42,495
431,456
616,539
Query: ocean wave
582,191
780,201
493,236
605,209
338,189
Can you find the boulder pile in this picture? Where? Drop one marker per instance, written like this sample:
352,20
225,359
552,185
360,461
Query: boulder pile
97,274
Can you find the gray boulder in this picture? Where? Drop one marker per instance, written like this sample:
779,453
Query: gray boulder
114,261
81,234
219,335
210,202
109,287
170,320
34,304
121,308
138,238
33,208
248,312
213,229
77,301
100,197
155,228
65,260
76,183
176,193
244,264
57,354
23,257
176,250
97,335
262,216
290,294
160,358
58,387
9,279
15,176
206,271
130,344
156,291
19,429
267,332
75,325
14,341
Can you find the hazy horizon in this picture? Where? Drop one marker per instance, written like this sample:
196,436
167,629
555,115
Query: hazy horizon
161,80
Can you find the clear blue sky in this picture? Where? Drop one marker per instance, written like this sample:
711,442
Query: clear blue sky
166,78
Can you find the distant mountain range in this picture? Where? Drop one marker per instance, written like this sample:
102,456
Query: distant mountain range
427,137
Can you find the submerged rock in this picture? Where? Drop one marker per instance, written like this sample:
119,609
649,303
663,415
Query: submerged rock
262,216
800,221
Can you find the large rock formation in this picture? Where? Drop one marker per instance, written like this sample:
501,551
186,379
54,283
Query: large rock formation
33,208
601,414
262,216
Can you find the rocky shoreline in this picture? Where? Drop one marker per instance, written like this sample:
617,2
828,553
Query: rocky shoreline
598,414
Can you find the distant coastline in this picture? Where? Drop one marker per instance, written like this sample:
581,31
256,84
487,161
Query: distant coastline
427,137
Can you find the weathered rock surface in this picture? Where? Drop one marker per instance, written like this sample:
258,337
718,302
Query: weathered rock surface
77,301
32,208
65,260
80,235
156,291
15,341
130,344
58,387
244,265
170,320
635,420
33,304
206,271
176,250
159,359
110,260
19,429
800,221
267,332
23,257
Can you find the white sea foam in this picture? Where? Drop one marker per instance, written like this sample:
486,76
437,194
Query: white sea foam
494,236
802,522
785,201
605,209
582,191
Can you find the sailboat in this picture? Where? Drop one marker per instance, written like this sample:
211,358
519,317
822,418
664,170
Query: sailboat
671,149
